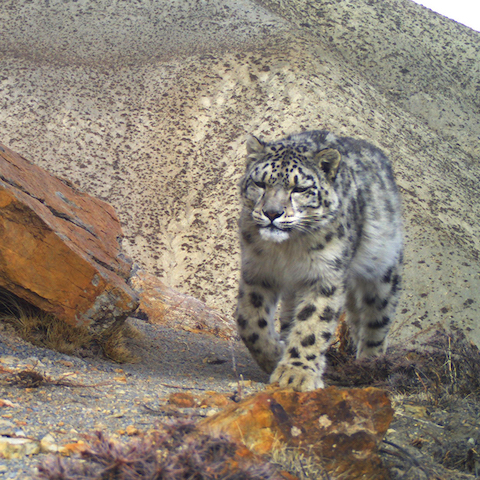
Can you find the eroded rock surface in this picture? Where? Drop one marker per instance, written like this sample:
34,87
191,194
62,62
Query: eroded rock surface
342,427
165,306
60,248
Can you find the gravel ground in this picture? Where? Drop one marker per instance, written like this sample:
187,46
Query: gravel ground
103,395
80,395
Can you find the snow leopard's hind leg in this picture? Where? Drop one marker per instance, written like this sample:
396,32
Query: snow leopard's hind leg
370,308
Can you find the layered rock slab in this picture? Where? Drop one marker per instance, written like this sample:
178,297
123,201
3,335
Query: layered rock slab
60,248
165,306
342,428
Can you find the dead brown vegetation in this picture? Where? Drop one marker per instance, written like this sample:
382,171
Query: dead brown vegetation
446,365
45,330
172,452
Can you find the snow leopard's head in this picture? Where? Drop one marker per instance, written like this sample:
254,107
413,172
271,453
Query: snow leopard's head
289,188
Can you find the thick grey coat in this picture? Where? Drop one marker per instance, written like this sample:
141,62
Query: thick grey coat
321,232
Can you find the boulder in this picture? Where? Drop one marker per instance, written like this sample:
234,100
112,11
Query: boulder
60,248
342,427
166,306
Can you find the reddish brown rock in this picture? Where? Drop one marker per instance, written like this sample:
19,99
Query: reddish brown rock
208,399
59,247
343,427
214,399
165,306
182,400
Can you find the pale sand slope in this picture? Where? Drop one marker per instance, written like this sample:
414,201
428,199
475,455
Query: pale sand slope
147,105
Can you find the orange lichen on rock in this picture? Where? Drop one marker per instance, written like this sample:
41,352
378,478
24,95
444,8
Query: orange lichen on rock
343,427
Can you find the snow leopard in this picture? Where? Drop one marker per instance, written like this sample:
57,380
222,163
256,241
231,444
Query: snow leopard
321,233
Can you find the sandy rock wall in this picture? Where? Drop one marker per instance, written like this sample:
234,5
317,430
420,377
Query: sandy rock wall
147,106
423,62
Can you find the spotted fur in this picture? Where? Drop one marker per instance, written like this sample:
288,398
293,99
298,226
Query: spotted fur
321,232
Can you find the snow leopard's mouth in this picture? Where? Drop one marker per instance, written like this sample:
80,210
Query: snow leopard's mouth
274,234
272,226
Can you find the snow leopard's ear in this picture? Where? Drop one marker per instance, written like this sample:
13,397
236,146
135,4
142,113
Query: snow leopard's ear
255,148
329,160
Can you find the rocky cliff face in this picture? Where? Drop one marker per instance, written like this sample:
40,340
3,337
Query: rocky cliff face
147,105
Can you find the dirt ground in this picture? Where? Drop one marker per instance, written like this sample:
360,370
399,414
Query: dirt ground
435,433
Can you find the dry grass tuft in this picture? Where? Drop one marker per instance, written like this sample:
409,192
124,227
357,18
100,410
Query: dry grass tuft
40,328
445,366
304,465
113,343
176,452
45,330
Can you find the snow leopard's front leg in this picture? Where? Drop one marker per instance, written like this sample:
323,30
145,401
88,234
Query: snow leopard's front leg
314,323
255,319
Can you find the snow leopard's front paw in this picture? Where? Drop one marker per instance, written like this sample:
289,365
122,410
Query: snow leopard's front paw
297,377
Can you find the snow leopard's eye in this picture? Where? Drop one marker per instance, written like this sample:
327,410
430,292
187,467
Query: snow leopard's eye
299,189
260,184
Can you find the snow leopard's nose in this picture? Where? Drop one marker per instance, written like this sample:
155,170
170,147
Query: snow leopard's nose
272,214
